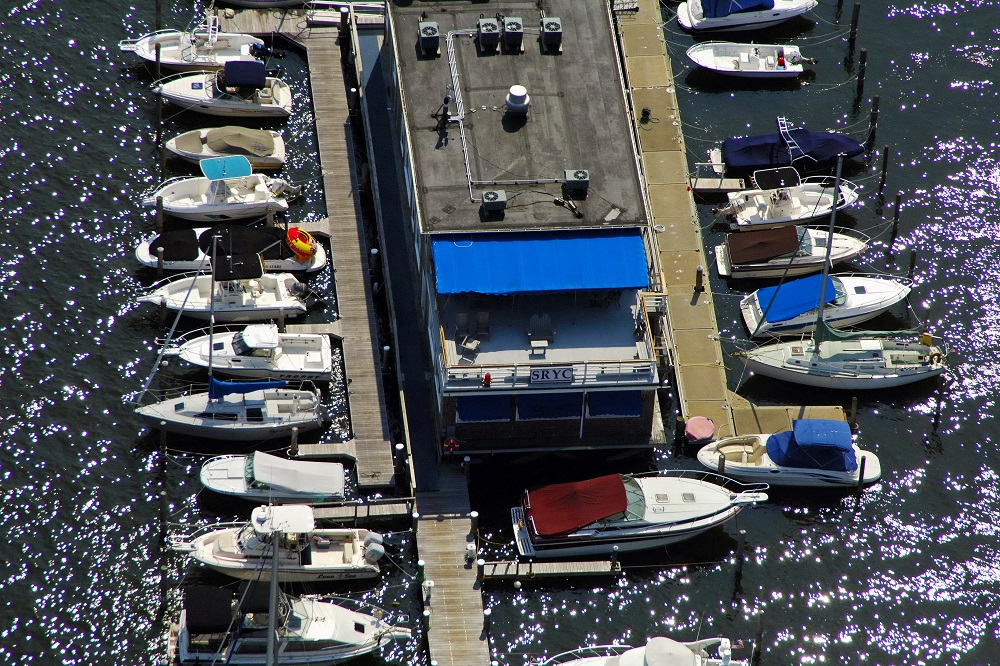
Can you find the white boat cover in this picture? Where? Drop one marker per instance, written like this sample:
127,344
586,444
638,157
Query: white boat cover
288,519
297,475
661,651
266,336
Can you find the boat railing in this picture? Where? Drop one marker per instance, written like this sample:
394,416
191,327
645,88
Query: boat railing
174,278
168,181
129,45
592,651
730,484
180,75
389,617
182,541
637,372
177,341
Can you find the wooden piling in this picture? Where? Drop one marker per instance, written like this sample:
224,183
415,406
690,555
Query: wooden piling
862,63
722,464
159,215
854,26
699,279
852,419
885,167
913,263
861,474
895,214
872,124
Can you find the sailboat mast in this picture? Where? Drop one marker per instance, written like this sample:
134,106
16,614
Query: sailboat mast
211,313
829,249
272,604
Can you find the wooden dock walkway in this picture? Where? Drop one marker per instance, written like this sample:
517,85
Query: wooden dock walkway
355,514
371,446
692,329
532,570
456,636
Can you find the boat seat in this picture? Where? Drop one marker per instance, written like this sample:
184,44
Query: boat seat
313,359
321,543
348,552
745,58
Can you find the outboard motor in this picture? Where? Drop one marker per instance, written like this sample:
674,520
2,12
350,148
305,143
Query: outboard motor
373,537
300,290
280,186
374,553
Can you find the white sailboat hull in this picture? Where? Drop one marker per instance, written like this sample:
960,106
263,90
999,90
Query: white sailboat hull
255,416
856,365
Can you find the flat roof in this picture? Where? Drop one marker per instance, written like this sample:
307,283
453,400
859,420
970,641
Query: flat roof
577,121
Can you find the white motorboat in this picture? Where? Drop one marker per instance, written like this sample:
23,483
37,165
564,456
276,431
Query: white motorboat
216,626
791,308
258,351
203,47
228,190
236,411
764,61
261,477
785,251
630,512
780,198
658,651
732,15
264,148
237,292
815,452
240,89
189,249
305,553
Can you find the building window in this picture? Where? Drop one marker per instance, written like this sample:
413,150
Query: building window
482,408
611,404
549,406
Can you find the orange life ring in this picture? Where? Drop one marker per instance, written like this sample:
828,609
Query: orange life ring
451,444
301,243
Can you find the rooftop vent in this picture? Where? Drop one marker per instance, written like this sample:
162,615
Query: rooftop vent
552,34
517,100
513,33
494,200
430,38
489,33
577,180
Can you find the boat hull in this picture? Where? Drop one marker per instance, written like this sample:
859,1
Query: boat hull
764,470
845,248
854,365
187,52
784,10
298,357
264,299
748,60
177,145
198,92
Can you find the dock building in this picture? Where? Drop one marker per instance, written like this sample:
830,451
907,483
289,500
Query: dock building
531,240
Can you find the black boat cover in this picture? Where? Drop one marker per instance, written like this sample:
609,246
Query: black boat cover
184,244
238,267
209,609
245,73
254,596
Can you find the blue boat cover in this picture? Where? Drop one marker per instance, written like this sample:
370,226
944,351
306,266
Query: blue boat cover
721,8
245,73
217,168
218,388
523,262
793,298
819,150
816,444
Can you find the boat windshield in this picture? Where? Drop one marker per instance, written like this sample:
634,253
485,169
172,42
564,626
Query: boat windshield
636,509
841,291
249,477
248,541
805,248
240,346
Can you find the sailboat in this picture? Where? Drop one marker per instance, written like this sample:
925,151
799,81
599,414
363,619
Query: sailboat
235,411
858,360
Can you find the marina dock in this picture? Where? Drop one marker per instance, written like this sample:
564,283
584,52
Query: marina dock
371,445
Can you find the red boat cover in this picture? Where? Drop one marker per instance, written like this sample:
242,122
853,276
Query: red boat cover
563,508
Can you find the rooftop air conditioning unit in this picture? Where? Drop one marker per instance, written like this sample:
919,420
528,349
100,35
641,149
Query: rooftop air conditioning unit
489,33
577,179
513,33
551,33
494,200
430,38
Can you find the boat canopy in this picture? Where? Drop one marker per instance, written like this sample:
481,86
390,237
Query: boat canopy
238,267
233,166
288,519
218,388
722,8
795,297
563,508
245,73
816,444
772,179
209,610
231,139
814,150
255,596
542,261
764,245
321,478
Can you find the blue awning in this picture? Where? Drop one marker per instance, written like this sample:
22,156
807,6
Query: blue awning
525,262
814,444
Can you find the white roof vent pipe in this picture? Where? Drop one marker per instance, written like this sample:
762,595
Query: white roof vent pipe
518,100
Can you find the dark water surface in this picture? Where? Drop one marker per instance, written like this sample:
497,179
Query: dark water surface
905,575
